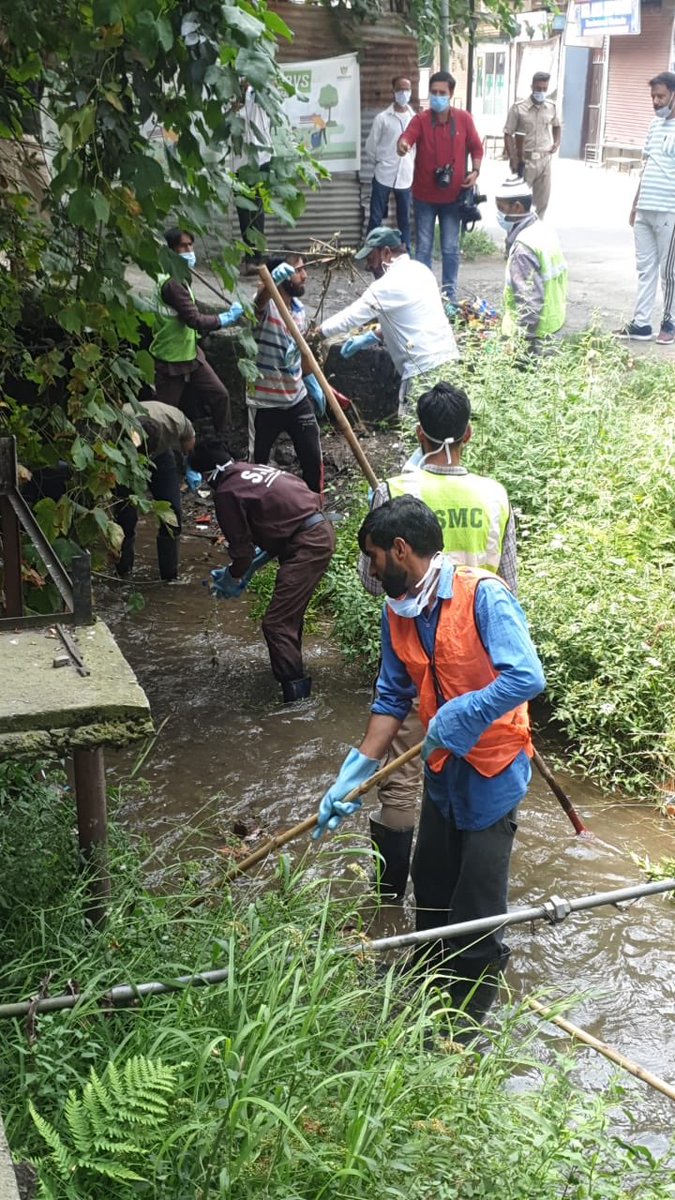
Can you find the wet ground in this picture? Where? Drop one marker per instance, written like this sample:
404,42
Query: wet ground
228,751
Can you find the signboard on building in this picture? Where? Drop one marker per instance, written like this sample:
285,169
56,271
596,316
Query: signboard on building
608,17
326,112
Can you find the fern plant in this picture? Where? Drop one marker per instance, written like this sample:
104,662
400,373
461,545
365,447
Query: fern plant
109,1130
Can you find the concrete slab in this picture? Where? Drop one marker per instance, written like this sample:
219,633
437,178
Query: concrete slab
8,1188
53,710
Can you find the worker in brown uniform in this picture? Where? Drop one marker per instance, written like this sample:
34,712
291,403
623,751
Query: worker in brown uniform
531,137
267,513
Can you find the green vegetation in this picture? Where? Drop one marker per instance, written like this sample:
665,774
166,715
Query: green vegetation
478,244
306,1076
583,441
116,120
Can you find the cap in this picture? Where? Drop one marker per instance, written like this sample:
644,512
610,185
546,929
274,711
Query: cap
513,188
378,238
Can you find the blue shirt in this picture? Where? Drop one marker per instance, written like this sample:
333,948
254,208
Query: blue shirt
473,801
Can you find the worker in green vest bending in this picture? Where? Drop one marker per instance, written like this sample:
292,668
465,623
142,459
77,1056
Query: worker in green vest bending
183,378
478,531
535,294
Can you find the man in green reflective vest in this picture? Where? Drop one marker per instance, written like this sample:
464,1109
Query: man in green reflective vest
478,530
183,378
535,292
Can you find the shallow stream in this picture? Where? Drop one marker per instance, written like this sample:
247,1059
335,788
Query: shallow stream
230,751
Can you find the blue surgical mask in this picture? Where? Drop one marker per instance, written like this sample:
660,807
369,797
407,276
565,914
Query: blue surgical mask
190,258
402,98
439,104
414,606
506,223
539,97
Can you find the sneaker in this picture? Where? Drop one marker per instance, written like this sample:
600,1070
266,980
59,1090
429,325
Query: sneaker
667,335
635,333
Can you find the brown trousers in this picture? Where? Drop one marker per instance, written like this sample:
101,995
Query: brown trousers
303,562
538,175
199,394
400,794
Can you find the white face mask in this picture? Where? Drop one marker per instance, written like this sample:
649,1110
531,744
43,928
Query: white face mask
190,258
664,111
402,98
412,606
539,97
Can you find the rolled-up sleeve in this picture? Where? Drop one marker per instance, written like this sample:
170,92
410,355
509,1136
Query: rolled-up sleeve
394,690
503,629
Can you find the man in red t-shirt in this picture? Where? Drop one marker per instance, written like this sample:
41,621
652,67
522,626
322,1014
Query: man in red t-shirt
445,137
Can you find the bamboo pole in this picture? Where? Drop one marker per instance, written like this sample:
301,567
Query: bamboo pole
615,1056
340,418
281,839
547,774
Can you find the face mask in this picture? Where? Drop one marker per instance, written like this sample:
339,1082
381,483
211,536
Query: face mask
505,222
664,111
412,606
444,445
402,98
439,104
539,97
190,258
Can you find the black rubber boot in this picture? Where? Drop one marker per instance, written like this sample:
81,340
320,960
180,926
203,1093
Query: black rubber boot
476,985
296,689
167,558
393,864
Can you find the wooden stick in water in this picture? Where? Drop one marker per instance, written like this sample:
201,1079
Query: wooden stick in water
310,822
615,1056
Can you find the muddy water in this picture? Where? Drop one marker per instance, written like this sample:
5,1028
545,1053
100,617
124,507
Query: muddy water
230,750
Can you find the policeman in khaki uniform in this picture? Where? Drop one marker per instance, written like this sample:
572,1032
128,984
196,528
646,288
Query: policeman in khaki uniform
531,137
478,531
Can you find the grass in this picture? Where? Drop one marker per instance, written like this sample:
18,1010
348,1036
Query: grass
307,1076
584,443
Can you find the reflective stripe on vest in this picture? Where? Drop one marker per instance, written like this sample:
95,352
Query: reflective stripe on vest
543,242
460,664
473,512
174,341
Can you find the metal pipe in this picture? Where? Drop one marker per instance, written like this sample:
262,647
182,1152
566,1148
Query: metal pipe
118,997
554,911
444,35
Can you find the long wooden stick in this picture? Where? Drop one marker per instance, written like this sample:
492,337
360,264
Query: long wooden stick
581,1035
340,418
547,774
310,822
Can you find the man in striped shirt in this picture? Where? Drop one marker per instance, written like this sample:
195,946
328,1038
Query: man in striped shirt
653,219
280,400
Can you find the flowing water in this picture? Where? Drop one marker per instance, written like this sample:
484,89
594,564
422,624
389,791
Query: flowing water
230,751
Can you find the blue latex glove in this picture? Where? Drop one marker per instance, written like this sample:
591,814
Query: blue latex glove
315,394
232,316
453,729
356,769
224,586
193,479
283,272
361,342
260,560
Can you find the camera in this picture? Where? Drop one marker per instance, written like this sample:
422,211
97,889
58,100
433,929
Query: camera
469,212
443,175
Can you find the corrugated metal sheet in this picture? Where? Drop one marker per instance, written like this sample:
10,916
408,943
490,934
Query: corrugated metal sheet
633,60
341,203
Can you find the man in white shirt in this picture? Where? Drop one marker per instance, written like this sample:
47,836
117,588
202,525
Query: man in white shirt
653,219
405,302
254,162
391,171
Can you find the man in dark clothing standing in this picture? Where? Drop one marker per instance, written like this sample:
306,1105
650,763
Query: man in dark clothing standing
261,506
445,138
164,430
179,361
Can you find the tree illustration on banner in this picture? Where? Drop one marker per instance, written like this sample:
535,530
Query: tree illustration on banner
328,98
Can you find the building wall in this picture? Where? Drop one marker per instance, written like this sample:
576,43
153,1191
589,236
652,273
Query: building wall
340,204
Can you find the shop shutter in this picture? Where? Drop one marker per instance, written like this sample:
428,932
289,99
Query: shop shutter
633,60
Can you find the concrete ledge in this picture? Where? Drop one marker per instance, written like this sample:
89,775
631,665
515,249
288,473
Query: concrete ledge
8,1188
52,710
